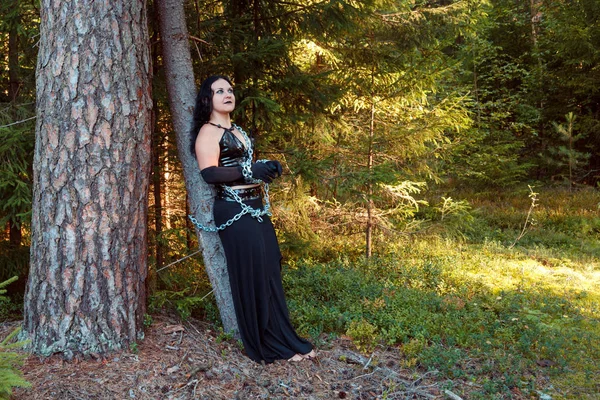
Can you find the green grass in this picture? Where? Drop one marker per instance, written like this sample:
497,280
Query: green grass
473,307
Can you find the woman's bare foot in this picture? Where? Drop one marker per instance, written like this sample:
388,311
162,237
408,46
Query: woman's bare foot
296,358
311,355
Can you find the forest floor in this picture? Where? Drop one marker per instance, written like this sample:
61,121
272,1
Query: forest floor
191,360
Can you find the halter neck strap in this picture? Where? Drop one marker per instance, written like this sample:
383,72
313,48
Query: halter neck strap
222,127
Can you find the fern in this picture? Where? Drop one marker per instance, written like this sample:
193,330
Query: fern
10,376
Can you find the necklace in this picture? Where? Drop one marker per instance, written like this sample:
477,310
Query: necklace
222,127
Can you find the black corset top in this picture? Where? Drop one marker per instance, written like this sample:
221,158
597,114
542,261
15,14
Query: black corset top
232,153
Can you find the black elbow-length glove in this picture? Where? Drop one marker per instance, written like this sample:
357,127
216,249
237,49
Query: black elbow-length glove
266,172
214,175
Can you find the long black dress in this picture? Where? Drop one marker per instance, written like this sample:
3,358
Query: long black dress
254,266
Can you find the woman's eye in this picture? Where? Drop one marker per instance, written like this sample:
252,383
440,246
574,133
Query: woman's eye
230,91
219,91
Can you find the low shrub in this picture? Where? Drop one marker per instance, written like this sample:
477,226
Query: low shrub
447,307
10,376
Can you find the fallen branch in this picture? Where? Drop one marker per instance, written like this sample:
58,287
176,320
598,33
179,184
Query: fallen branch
452,395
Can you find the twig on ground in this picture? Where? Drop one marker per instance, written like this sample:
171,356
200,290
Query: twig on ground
195,382
369,374
406,393
453,396
195,386
420,379
183,358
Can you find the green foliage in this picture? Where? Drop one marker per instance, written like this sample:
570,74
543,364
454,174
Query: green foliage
363,334
16,154
526,64
472,309
5,284
568,156
134,348
185,304
8,308
565,223
148,320
10,376
13,261
224,336
19,22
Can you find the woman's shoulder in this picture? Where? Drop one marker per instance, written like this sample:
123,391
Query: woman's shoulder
210,132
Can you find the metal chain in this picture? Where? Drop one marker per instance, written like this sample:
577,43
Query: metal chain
246,209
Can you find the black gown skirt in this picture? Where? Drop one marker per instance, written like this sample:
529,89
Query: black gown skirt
254,266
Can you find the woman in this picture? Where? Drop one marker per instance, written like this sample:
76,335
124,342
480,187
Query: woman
224,154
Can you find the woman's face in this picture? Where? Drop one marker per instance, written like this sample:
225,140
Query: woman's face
223,100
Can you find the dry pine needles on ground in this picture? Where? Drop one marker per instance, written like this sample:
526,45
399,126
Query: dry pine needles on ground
189,361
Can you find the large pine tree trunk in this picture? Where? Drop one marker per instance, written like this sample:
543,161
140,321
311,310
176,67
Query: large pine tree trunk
86,290
181,88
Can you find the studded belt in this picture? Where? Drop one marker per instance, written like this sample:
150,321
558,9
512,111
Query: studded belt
252,193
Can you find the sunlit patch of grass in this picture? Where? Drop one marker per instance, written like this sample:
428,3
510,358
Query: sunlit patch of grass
503,317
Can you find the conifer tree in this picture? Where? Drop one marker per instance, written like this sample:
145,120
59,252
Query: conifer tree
86,287
395,114
181,89
17,38
568,155
528,64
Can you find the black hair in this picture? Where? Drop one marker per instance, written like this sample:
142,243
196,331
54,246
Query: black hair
203,107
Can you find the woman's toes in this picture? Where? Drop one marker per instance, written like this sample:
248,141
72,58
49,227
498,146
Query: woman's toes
311,355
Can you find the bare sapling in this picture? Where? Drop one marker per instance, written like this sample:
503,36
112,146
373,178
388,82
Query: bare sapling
529,220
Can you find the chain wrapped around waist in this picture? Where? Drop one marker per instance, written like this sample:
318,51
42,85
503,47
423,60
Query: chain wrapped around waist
252,193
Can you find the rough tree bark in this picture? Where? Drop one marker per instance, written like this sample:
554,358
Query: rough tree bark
181,87
86,290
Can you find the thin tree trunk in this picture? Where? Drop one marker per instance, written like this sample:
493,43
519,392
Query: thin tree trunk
369,233
476,90
536,15
13,58
86,288
571,161
157,191
156,148
15,235
236,10
181,88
